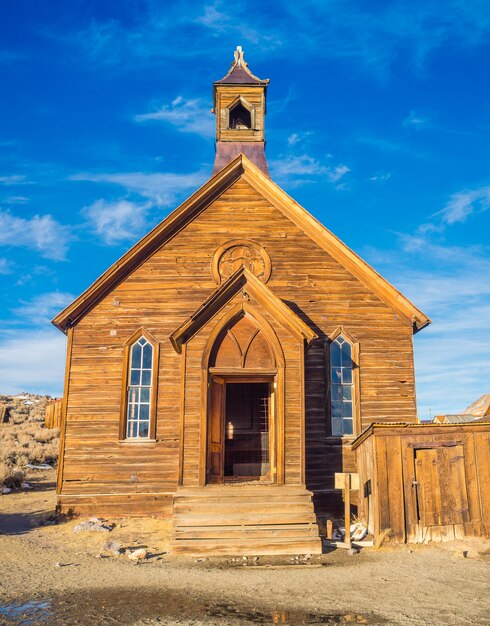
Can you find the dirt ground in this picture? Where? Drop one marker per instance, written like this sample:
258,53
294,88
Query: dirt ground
51,575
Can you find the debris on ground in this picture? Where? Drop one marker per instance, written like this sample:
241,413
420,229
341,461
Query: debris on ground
43,466
113,547
6,490
137,555
94,524
26,486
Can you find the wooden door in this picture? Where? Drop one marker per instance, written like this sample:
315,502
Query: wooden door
216,430
441,486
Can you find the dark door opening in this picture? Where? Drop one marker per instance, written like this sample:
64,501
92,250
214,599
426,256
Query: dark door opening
246,431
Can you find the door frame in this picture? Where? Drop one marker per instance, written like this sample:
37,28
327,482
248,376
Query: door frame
244,376
278,471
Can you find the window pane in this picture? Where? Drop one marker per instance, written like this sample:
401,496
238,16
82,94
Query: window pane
136,356
135,377
336,375
334,354
132,429
147,355
336,393
346,355
145,394
347,392
144,411
143,429
347,409
348,427
336,409
146,377
346,375
336,426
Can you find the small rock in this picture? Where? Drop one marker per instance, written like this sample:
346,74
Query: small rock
94,524
114,547
26,486
352,552
6,490
137,555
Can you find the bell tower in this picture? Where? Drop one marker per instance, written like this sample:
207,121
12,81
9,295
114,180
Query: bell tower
239,106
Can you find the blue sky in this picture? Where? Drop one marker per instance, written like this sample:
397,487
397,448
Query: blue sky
378,123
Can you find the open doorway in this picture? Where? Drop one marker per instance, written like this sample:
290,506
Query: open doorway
247,408
239,430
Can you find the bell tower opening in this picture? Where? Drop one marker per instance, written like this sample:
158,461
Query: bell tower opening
240,117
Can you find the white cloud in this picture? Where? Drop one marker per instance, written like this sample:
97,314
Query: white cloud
13,180
416,120
41,233
162,189
187,116
43,307
299,169
116,220
6,266
33,361
296,138
463,204
381,177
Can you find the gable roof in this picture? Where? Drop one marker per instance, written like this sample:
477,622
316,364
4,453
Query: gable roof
242,279
243,168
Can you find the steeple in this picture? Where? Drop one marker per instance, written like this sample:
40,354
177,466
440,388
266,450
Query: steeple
239,105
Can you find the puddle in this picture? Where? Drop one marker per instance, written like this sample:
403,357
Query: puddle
151,606
33,612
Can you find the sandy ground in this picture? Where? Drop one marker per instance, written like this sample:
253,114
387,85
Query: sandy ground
51,575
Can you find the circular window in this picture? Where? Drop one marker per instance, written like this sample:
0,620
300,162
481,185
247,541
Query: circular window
235,254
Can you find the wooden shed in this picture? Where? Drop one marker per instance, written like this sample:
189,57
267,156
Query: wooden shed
425,482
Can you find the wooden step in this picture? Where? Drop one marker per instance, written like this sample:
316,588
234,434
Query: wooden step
256,546
241,519
223,508
225,532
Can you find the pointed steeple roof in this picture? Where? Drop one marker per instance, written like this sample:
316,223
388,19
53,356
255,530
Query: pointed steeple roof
239,74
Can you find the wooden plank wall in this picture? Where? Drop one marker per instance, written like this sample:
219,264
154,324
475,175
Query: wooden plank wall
463,488
163,292
53,414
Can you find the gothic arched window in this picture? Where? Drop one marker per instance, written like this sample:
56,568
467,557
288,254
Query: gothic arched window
140,396
343,386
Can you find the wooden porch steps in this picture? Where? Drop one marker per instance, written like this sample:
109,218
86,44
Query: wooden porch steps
244,520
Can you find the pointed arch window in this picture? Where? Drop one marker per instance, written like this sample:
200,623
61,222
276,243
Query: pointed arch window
343,386
139,406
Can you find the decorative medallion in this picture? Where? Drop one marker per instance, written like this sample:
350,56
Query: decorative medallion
238,253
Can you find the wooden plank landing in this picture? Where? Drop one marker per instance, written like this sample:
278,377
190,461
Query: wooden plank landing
244,520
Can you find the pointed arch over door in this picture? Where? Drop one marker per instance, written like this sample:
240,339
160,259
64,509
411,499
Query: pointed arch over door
242,422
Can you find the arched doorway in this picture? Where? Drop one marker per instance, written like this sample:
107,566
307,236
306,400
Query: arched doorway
242,409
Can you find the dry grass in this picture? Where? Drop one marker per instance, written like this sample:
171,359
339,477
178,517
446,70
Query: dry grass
24,439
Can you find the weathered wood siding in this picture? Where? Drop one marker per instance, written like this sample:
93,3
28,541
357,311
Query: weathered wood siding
395,476
164,291
52,418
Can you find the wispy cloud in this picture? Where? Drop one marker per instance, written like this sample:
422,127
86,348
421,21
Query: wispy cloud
296,138
465,203
6,266
41,233
416,120
43,307
297,170
367,35
161,188
115,221
186,115
381,177
15,179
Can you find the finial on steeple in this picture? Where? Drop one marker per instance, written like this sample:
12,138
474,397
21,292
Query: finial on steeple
239,57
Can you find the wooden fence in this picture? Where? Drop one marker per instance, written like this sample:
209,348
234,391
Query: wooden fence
53,414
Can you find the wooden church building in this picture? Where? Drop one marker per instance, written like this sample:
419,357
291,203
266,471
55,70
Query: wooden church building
219,371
